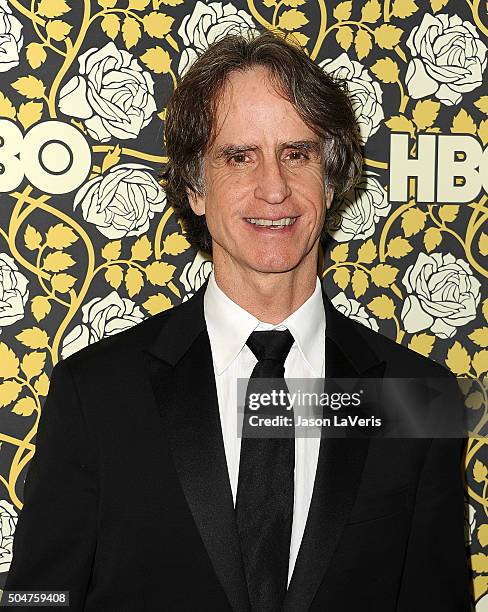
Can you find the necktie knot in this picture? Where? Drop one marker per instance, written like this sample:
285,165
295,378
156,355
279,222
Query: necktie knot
270,345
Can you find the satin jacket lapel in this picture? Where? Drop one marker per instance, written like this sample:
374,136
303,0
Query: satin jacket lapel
183,380
339,468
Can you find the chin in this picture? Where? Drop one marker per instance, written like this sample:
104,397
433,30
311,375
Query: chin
272,263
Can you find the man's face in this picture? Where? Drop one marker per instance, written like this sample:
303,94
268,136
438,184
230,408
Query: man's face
264,166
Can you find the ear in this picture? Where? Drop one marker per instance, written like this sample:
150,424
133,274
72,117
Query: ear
197,202
329,196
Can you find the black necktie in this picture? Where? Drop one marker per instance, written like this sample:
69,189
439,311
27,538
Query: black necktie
264,502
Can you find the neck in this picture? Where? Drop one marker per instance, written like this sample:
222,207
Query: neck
269,296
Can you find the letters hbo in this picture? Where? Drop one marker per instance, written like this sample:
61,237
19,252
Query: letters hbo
448,168
53,156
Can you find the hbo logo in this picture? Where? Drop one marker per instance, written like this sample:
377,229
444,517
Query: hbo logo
448,168
53,156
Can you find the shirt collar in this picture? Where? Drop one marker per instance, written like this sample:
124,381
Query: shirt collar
229,326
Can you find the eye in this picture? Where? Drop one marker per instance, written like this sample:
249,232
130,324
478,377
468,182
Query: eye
238,159
298,155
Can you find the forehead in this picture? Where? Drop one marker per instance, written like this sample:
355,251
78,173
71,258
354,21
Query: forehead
251,106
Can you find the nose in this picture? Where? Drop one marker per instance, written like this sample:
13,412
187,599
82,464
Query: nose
271,181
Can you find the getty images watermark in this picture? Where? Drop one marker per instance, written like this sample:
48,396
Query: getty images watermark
356,407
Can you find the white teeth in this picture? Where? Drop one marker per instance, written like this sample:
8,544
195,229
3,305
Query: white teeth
276,223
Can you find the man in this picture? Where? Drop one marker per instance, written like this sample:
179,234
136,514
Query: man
141,496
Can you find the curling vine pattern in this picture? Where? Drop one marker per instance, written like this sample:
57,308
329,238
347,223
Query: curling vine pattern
80,264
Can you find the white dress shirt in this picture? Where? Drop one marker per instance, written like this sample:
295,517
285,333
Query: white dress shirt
229,327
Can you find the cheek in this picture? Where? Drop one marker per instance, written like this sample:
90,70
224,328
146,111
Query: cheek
226,181
312,198
228,199
223,210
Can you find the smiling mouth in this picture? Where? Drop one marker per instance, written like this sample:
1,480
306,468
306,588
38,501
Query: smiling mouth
272,223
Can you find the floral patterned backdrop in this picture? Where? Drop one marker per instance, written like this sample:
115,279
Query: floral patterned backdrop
89,246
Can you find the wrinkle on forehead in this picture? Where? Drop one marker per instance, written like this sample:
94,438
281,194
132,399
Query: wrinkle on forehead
227,94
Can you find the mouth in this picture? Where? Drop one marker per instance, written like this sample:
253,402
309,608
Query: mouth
275,224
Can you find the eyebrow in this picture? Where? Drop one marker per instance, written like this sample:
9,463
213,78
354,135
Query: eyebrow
229,150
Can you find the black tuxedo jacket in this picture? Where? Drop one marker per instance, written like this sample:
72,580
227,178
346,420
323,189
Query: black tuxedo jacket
128,505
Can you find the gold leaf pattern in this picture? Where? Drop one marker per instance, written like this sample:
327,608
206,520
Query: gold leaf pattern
33,363
292,20
483,535
458,359
383,275
400,123
9,392
30,87
371,11
175,244
432,238
36,54
363,43
114,275
29,113
160,273
9,362
34,338
340,253
344,37
367,252
138,5
480,471
398,247
341,277
131,32
425,113
6,107
157,25
404,8
52,8
463,123
382,306
387,36
157,59
480,362
24,407
62,282
483,244
474,400
58,29
58,260
480,336
479,563
413,220
111,251
110,24
157,303
437,5
41,306
448,213
386,70
60,236
482,104
360,283
422,343
389,251
343,10
134,281
32,238
41,385
141,250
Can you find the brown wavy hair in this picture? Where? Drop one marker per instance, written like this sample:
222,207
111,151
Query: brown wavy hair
321,102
